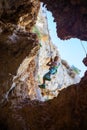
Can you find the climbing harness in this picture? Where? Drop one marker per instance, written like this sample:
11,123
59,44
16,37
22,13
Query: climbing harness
47,76
53,70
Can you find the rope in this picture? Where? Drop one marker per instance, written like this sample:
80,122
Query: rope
39,79
83,48
48,32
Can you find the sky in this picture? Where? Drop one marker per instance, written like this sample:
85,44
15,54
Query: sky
70,50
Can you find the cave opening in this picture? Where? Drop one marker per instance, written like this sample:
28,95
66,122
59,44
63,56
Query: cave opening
31,69
28,56
69,49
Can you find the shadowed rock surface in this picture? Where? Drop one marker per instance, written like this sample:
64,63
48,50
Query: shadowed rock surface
69,110
66,112
70,17
12,10
12,53
16,41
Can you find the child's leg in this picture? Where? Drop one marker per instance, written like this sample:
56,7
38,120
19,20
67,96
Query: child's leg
45,77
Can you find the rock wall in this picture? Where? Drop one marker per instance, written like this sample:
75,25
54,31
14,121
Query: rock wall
70,17
13,51
22,11
31,71
16,41
66,112
65,75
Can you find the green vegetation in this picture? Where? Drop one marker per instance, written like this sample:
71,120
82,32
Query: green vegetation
75,69
35,30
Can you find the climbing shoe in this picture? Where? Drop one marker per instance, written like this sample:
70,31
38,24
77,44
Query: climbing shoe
42,86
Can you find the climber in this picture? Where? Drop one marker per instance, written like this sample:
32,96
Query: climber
54,64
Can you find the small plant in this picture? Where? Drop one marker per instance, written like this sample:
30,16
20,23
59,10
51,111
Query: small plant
35,30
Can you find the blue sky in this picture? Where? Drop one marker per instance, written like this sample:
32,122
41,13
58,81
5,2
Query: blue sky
70,50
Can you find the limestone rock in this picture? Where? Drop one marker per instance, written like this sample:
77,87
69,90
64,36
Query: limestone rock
31,71
23,11
13,50
66,112
16,41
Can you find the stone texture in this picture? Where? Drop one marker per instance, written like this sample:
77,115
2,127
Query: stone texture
31,71
65,75
16,41
70,17
13,50
11,11
66,112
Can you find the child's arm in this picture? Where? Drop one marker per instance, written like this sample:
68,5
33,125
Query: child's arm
50,62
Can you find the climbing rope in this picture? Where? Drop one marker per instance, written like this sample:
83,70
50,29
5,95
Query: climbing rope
44,11
83,48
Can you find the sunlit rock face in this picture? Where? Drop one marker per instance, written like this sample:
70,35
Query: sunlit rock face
70,16
65,76
33,68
